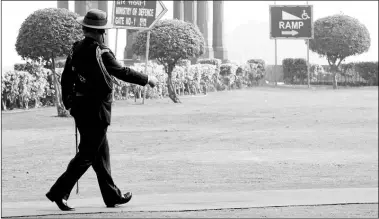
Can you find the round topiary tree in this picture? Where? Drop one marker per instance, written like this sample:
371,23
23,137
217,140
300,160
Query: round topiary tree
45,35
171,41
338,37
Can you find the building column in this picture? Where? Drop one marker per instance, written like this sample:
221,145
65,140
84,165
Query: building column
80,8
218,30
62,4
190,11
204,22
128,51
90,4
103,5
179,10
190,16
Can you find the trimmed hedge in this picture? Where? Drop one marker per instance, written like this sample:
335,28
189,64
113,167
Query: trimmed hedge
29,67
294,70
184,63
259,62
349,74
30,84
228,69
216,62
21,89
258,69
368,71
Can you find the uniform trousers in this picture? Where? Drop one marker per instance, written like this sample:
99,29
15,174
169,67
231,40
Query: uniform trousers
93,151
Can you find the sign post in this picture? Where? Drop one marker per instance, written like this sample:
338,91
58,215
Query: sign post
140,15
292,22
308,66
146,61
276,58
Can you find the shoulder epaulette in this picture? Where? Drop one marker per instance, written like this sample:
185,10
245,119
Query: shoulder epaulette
105,49
108,78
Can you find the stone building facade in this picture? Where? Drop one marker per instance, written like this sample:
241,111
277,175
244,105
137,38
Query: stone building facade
207,15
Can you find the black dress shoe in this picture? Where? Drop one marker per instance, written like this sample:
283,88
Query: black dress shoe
124,200
61,203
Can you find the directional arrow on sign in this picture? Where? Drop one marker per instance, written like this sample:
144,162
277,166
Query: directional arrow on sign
292,32
133,15
161,10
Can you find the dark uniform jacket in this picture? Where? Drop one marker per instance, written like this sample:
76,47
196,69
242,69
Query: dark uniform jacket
87,81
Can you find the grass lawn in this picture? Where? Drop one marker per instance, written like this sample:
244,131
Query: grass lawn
253,139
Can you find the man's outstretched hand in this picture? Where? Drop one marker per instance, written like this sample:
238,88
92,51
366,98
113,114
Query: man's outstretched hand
152,81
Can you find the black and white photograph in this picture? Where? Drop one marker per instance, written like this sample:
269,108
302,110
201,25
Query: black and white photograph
189,109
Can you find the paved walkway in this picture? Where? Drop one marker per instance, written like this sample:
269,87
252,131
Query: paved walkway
201,201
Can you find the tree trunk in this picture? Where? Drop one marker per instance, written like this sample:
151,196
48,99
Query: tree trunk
170,86
3,104
62,112
26,103
186,88
143,95
36,101
179,91
135,93
335,83
21,103
334,70
14,104
126,92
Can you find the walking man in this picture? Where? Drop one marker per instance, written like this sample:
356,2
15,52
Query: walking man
87,82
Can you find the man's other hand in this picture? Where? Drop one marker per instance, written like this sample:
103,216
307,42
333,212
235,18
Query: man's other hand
152,81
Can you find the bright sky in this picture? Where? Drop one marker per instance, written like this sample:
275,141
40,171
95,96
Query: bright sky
246,28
